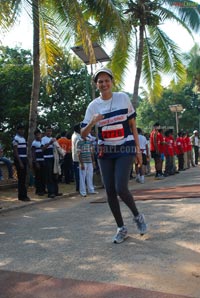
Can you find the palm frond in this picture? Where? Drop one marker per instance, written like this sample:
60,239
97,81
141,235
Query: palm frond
188,12
155,93
9,13
49,50
107,15
171,15
120,56
73,13
169,53
151,62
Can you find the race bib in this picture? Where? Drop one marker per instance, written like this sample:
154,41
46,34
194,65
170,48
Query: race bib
113,132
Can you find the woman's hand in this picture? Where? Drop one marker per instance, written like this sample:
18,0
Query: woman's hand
96,118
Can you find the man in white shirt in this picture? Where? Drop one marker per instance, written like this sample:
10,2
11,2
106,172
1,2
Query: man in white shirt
75,138
140,171
195,144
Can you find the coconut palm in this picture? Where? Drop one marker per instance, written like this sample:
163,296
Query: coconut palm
47,18
55,21
193,67
154,52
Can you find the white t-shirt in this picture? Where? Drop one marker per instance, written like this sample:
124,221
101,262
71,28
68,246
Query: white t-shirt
143,142
114,128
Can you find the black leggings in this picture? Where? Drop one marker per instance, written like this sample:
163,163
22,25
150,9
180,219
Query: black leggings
116,173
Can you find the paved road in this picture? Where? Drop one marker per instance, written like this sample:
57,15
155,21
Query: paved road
71,238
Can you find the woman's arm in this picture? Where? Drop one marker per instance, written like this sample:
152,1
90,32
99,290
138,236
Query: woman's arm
87,129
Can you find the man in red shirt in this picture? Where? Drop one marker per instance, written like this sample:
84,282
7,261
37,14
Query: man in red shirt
179,151
185,150
190,161
155,142
169,153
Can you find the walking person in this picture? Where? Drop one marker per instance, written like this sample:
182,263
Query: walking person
118,144
20,160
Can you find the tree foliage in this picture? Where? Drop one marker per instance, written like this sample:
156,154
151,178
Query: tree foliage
63,106
149,113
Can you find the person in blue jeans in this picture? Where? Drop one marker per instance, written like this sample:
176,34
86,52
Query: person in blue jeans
118,144
7,163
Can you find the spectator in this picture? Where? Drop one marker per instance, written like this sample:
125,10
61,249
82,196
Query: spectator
67,167
7,163
185,150
190,161
169,153
86,165
180,152
155,152
20,161
75,138
140,171
38,164
161,145
195,144
51,178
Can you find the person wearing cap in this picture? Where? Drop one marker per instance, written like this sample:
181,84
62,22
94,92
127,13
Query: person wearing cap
114,117
20,160
195,144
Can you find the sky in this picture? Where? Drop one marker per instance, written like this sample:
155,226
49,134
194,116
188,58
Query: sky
21,35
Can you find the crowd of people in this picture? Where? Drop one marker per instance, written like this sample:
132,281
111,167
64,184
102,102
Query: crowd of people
64,158
165,148
77,157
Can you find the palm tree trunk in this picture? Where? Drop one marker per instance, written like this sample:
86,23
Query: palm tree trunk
36,76
138,66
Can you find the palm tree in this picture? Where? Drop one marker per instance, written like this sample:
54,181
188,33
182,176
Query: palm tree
193,67
47,17
155,53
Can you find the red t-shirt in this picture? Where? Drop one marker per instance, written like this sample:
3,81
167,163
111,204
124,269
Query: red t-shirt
188,142
179,145
154,138
185,146
169,146
160,140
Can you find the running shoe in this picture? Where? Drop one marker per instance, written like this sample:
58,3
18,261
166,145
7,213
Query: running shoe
141,225
121,235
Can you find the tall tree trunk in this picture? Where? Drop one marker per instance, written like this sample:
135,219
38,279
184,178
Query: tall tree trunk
138,66
36,76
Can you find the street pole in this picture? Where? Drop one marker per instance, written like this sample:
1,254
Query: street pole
176,121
